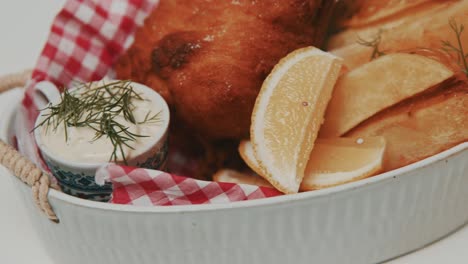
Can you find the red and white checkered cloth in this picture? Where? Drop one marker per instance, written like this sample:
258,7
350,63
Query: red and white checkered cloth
150,187
86,38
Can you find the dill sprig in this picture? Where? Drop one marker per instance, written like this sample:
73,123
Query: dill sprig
97,107
374,43
154,119
448,47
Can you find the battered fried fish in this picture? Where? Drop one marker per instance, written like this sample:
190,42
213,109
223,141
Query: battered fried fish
209,58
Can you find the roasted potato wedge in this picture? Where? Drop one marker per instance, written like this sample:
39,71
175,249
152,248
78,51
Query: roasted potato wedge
372,11
233,176
353,35
381,83
427,32
420,127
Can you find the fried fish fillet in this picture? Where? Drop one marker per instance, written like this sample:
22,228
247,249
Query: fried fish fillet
209,59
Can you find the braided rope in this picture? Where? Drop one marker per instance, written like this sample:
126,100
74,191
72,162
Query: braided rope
23,168
14,80
29,174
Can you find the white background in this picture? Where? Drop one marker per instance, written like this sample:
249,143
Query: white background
23,29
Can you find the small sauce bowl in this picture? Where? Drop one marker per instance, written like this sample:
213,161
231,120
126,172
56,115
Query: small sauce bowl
77,177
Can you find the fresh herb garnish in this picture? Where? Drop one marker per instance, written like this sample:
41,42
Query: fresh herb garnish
374,43
154,119
97,107
448,47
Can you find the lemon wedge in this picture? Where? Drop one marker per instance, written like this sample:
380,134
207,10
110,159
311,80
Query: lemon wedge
333,161
247,154
288,113
341,160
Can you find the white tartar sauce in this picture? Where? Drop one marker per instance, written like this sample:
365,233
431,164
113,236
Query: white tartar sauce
78,144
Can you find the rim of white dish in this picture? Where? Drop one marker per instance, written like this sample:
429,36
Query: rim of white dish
271,201
9,112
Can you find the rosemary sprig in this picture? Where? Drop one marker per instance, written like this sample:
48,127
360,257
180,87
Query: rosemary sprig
97,108
448,47
374,43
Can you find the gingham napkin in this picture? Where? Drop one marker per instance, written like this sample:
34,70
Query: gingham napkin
86,38
151,187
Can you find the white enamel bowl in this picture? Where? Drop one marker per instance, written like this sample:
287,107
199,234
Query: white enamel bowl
368,221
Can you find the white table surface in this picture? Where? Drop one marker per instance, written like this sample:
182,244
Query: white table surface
23,29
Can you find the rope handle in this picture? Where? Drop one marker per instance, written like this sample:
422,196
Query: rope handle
14,80
22,167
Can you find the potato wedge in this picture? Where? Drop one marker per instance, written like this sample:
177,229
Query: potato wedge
420,128
377,85
371,11
232,176
426,32
352,35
